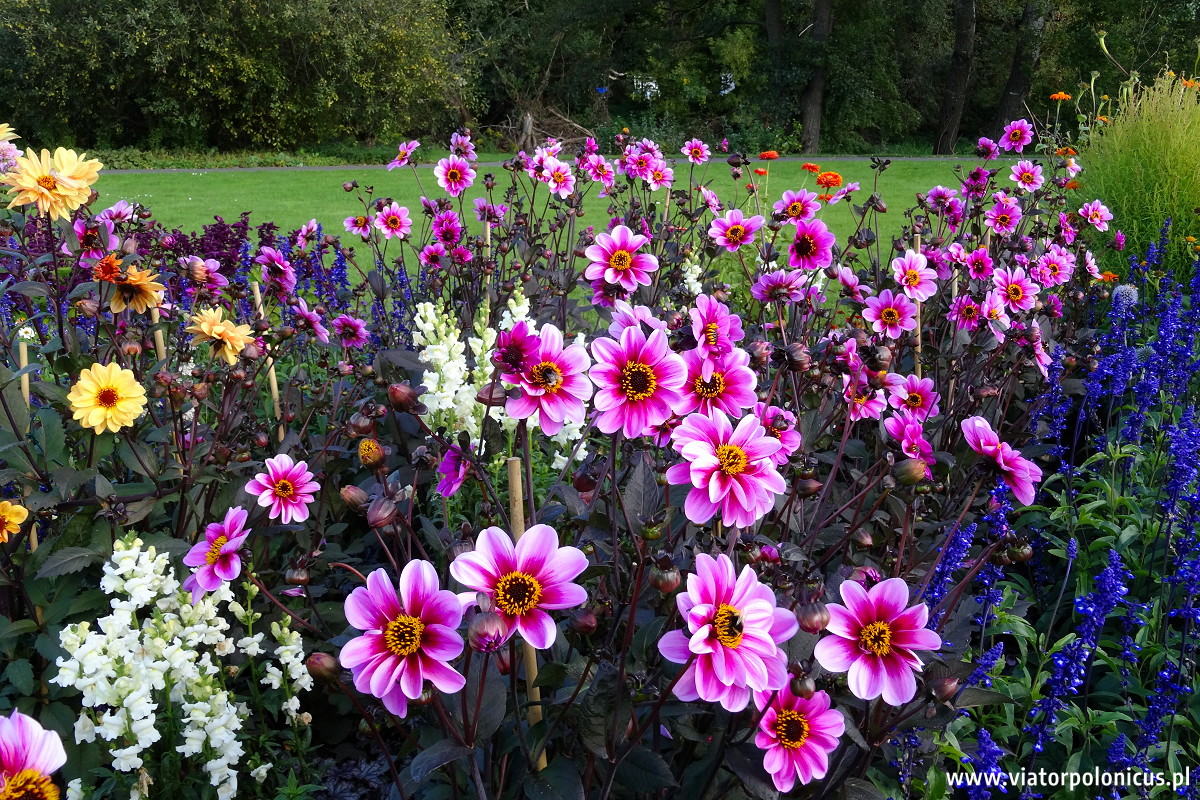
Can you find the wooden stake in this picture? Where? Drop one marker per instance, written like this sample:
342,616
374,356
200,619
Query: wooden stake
22,363
516,518
917,358
160,346
272,380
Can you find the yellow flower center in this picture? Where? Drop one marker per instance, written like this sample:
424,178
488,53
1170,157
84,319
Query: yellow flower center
795,209
393,222
48,183
736,233
1027,177
805,246
453,175
914,400
727,624
889,316
711,388
402,636
731,459
369,450
638,381
518,593
621,260
107,397
284,488
791,729
360,222
877,638
1003,219
214,550
911,277
1014,292
29,784
547,375
711,334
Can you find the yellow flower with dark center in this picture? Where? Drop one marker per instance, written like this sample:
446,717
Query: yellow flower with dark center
12,516
227,337
139,291
107,397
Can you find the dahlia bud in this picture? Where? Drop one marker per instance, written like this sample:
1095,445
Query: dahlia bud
349,186
404,397
503,661
323,667
867,576
769,553
492,395
361,424
487,633
798,358
911,471
583,621
804,687
665,580
381,512
131,347
807,487
296,577
88,307
355,497
944,689
250,352
760,352
813,617
370,453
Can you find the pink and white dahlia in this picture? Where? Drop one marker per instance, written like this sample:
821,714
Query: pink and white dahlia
993,311
965,313
813,246
351,331
216,557
454,174
1027,175
781,286
307,234
454,469
1096,214
661,176
1054,267
515,351
286,489
734,630
1019,472
797,735
616,260
1004,216
555,385
780,424
360,225
714,327
523,582
312,318
408,637
916,279
735,229
461,145
29,754
1014,287
559,176
875,636
393,221
890,314
979,263
797,207
638,381
626,316
599,170
916,395
404,154
730,469
277,271
697,152
863,401
1017,134
719,382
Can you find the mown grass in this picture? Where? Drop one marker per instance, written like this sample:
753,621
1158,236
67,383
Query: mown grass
291,197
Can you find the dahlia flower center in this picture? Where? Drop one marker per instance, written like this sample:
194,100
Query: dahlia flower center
402,636
994,314
791,728
711,334
518,593
638,381
107,397
969,312
876,638
914,400
727,623
284,488
712,388
621,260
453,174
860,398
1003,219
890,316
731,459
214,549
805,246
1014,292
1016,135
547,375
29,784
48,183
795,209
360,222
90,239
368,450
696,152
911,277
393,222
736,233
1027,177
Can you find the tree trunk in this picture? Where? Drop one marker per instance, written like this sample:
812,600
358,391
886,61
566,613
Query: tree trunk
813,96
1025,62
954,93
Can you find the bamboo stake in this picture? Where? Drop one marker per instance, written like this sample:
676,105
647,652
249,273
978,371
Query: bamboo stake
516,515
160,346
272,380
917,359
22,363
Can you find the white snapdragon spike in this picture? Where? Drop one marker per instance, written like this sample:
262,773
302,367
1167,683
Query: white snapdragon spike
692,273
144,654
517,309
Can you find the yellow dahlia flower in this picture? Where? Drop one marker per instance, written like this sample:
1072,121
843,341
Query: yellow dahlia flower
7,134
57,186
12,516
139,291
227,337
107,397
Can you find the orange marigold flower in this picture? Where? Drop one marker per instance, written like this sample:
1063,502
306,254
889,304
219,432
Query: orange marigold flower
808,166
1108,277
1189,83
1072,184
752,187
107,269
829,180
1102,118
1060,96
760,172
768,155
824,198
1065,151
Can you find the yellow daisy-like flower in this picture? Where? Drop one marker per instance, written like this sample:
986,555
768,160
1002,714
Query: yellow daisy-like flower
139,291
107,397
57,185
227,337
7,134
12,516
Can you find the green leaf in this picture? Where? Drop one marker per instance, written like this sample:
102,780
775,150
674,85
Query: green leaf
11,629
551,675
644,770
138,457
437,756
972,697
559,781
68,560
747,763
858,789
19,675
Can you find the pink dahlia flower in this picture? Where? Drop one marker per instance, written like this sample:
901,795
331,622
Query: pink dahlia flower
28,755
735,229
638,381
979,263
277,271
393,221
697,152
404,154
313,319
217,556
515,351
360,225
965,313
797,207
733,635
523,582
408,636
916,395
351,331
454,469
661,176
782,286
1019,472
1003,216
1054,267
730,470
555,386
863,401
454,174
559,176
96,238
1017,134
890,314
725,382
286,488
626,316
615,259
781,424
714,327
1097,214
916,279
874,639
993,310
1015,289
1027,175
797,735
813,246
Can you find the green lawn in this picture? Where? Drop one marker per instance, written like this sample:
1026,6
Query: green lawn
290,198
